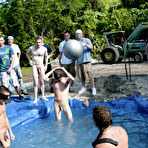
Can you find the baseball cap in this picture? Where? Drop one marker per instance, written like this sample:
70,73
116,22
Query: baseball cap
79,31
10,38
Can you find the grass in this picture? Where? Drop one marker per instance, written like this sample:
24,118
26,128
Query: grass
26,69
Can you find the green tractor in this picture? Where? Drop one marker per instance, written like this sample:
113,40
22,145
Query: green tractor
133,47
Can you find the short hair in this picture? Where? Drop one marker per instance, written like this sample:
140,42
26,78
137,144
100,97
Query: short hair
66,32
102,116
39,38
58,73
1,36
4,92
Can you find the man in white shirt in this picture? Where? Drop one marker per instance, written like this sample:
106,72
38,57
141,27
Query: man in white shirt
16,66
65,62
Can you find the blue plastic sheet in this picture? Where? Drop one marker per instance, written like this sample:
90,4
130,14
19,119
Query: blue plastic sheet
24,112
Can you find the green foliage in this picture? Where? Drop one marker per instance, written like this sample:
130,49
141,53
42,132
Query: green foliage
25,20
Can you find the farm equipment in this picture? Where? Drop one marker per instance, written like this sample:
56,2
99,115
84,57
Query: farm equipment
118,48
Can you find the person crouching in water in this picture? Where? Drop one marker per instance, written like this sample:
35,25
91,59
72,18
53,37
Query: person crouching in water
61,83
4,122
109,136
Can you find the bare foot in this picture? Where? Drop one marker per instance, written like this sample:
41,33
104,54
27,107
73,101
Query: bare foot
44,99
35,101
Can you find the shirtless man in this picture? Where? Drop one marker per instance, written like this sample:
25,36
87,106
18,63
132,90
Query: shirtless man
4,122
61,83
38,69
109,136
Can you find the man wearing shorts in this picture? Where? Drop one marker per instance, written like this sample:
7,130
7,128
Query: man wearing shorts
61,83
67,63
38,68
84,63
7,73
16,66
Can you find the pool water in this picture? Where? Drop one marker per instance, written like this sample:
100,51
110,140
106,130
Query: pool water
47,133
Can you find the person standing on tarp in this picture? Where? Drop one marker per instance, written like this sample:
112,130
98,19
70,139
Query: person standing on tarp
38,53
65,62
109,136
16,66
7,73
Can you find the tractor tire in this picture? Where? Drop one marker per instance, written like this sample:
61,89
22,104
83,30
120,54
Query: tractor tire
110,55
138,57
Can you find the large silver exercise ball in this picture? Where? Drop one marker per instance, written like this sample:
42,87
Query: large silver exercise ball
72,49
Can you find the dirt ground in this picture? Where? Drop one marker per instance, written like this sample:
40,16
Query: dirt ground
110,80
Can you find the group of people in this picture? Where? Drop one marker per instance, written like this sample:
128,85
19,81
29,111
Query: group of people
61,81
109,136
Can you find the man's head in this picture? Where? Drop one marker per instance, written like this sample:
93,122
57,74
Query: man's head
2,41
102,116
58,73
79,34
10,40
39,41
66,36
4,93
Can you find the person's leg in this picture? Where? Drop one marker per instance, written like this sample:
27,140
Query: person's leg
67,112
80,74
5,80
35,81
89,75
57,111
15,83
41,76
19,76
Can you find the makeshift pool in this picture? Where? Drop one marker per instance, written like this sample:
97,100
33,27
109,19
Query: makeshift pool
130,113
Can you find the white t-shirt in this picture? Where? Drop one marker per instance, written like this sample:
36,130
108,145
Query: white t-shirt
64,59
16,51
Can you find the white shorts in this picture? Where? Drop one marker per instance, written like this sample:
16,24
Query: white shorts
7,79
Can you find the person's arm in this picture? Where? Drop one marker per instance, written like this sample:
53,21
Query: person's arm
88,44
60,57
67,73
18,52
46,59
28,56
19,55
46,77
11,64
50,55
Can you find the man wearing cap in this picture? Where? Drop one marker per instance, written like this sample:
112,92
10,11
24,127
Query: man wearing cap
84,63
7,72
65,62
16,66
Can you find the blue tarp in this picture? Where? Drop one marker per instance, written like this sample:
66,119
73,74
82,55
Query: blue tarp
23,112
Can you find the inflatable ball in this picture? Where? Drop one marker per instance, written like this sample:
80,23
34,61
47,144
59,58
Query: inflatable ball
72,49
